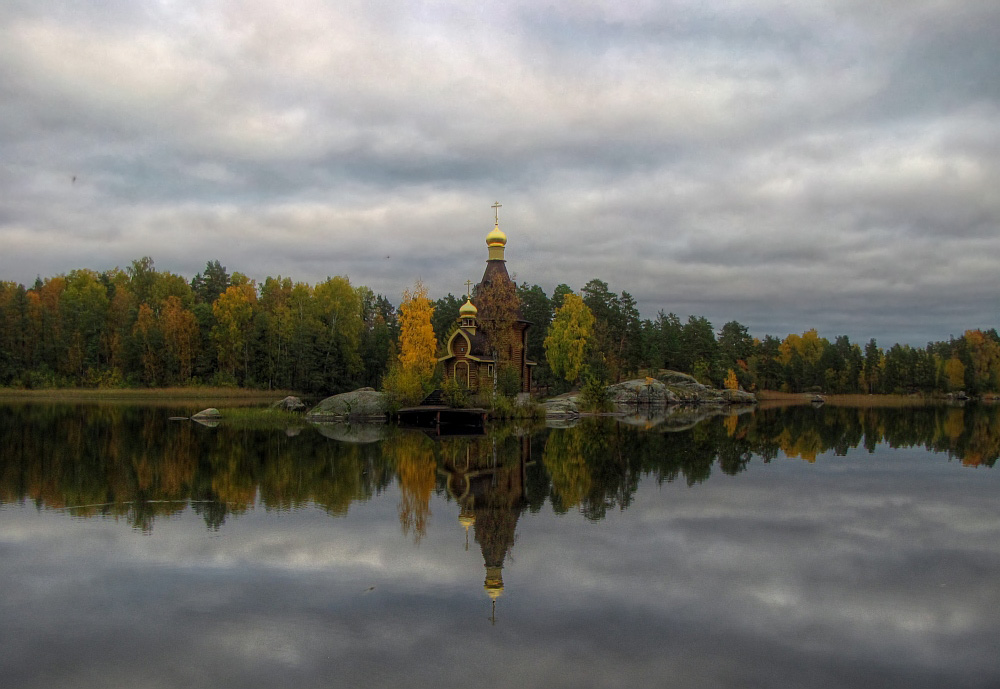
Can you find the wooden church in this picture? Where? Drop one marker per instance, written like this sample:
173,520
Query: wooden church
468,358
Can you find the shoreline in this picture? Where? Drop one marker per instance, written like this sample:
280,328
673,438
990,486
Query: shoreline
769,399
143,395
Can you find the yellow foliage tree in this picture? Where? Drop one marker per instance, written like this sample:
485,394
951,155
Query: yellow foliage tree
809,346
566,343
417,344
417,347
731,381
233,311
954,372
984,354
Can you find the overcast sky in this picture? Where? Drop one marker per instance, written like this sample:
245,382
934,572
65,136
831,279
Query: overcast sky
816,163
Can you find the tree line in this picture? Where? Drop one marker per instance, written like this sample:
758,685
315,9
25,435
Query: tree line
143,327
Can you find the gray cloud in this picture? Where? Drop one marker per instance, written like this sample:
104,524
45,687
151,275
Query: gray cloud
825,164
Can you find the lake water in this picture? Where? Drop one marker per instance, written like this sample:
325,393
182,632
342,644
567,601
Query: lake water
792,547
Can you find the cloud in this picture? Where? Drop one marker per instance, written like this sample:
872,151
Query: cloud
823,164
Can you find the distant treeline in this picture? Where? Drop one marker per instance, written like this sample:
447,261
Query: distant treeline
142,327
623,344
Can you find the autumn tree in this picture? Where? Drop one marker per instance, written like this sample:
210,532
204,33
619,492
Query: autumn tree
954,373
83,309
566,343
731,382
983,352
498,314
147,332
417,357
180,337
233,311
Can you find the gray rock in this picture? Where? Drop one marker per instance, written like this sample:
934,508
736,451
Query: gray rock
563,406
739,397
290,403
688,389
365,403
641,392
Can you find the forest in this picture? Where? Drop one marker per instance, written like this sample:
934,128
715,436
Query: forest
140,327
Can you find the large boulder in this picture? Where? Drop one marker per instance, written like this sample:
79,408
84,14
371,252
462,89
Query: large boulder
365,404
641,392
562,406
290,403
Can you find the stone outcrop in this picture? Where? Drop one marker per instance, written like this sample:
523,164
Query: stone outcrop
365,404
669,390
562,406
689,390
642,392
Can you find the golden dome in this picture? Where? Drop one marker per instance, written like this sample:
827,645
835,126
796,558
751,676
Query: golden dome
468,309
496,237
494,582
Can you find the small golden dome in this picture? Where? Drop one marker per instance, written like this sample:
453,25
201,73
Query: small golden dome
468,309
496,237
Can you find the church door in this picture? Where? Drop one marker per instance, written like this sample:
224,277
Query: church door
462,372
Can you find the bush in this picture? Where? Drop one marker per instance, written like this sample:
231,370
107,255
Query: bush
508,381
594,396
402,387
454,394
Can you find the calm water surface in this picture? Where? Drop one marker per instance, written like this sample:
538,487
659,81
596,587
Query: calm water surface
796,547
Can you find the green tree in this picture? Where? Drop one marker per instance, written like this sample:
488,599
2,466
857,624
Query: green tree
209,285
537,310
338,308
445,317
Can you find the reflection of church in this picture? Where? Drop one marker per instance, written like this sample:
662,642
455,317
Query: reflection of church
467,358
486,477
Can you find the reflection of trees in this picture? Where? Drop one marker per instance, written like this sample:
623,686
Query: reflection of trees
413,456
132,463
568,471
971,434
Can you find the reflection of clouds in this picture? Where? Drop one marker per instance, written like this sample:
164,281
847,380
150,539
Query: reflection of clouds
787,574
